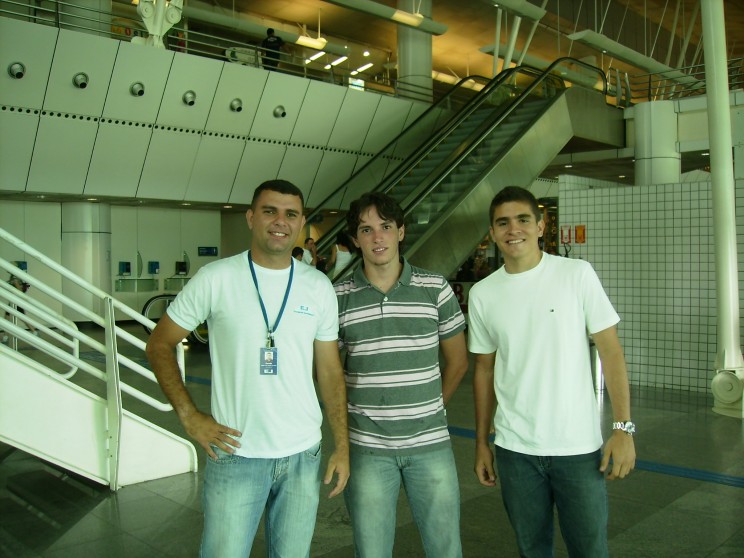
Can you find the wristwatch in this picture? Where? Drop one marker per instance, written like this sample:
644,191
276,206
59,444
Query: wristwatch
627,427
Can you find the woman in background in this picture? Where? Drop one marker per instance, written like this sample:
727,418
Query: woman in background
341,254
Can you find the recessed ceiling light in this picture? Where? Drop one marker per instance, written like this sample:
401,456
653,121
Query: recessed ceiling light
621,176
706,154
568,166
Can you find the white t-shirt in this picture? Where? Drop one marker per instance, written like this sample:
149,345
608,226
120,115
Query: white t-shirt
278,415
342,260
538,322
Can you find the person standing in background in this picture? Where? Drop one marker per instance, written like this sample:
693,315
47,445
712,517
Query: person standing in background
341,254
272,47
310,253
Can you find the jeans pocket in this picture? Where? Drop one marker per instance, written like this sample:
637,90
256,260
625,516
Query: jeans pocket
223,458
313,452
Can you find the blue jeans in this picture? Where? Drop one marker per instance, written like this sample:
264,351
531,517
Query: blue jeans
238,489
532,485
430,481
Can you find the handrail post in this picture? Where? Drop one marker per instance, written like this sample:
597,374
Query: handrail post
113,395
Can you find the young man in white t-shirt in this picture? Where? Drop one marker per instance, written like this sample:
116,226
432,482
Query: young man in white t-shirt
529,326
268,316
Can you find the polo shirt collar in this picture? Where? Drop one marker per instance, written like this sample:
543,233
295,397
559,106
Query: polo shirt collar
405,275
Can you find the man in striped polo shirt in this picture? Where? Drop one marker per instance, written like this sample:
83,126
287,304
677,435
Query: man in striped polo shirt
393,320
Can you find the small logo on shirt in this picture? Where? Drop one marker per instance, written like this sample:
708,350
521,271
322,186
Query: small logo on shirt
306,310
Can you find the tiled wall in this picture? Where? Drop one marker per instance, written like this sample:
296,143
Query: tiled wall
653,249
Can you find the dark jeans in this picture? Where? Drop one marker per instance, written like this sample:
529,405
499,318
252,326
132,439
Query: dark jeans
532,485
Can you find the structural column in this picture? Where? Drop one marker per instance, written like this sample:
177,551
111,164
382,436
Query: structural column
657,160
86,251
414,55
728,383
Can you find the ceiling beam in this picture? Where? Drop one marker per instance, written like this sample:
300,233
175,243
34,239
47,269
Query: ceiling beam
415,21
632,57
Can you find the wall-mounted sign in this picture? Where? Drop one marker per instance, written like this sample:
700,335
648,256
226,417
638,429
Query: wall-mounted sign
580,234
565,234
207,250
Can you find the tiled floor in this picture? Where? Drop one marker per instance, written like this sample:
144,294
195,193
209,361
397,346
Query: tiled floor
685,499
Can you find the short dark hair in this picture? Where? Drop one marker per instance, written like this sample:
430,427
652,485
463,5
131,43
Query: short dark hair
514,194
281,186
386,206
308,239
298,251
269,31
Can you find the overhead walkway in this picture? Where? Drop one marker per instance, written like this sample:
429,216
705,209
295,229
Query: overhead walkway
63,408
506,135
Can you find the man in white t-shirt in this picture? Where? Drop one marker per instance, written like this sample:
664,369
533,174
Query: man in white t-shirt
269,319
528,329
310,252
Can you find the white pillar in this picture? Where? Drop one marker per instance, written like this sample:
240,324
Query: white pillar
414,54
497,43
86,251
657,160
728,383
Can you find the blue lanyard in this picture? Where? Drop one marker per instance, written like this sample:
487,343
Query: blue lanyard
270,338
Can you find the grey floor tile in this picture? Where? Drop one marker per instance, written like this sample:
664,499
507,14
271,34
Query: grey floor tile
118,546
671,507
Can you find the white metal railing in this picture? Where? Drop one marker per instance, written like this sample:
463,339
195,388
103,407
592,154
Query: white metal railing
61,338
122,22
669,85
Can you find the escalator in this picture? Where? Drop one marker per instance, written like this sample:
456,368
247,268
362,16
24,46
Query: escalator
506,135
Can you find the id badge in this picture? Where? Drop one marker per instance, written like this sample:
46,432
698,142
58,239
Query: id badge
268,362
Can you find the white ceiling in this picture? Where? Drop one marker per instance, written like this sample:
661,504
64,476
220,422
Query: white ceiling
472,25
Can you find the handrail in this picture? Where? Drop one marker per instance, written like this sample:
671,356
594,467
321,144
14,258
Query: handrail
32,308
198,43
67,358
487,127
667,85
389,181
432,110
418,153
470,143
101,321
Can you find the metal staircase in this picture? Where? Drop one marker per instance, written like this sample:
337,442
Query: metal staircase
64,409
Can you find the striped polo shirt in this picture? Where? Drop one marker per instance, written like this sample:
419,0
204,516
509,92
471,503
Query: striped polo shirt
393,381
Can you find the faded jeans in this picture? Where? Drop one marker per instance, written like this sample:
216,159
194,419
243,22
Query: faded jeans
237,490
430,481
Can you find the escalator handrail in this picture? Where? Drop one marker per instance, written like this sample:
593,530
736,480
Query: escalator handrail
455,89
483,131
420,152
430,144
472,140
